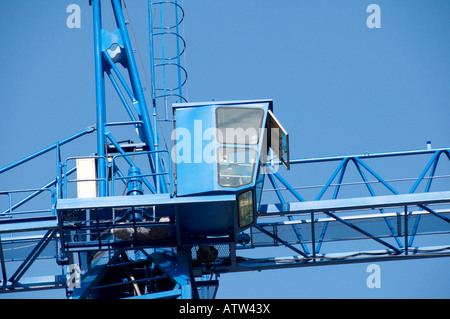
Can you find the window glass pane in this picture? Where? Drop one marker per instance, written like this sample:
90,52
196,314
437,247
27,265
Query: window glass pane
279,139
237,125
245,202
235,166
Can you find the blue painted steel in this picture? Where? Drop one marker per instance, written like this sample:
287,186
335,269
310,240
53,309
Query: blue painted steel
47,149
14,279
119,91
144,200
286,184
294,227
428,209
121,96
177,31
359,164
103,41
197,143
199,219
372,193
152,71
177,265
336,192
152,54
331,259
342,165
100,98
65,173
31,196
367,155
356,203
192,167
376,175
123,82
98,267
134,183
433,162
166,60
10,213
28,224
202,212
362,231
149,137
126,156
129,161
223,103
58,179
3,266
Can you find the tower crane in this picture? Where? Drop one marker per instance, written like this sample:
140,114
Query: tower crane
138,218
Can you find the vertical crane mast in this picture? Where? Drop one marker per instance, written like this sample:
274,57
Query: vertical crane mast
109,49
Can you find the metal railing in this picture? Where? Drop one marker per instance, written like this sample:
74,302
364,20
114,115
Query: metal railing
64,181
10,210
112,169
155,155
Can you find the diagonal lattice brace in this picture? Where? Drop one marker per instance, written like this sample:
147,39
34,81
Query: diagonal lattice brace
281,241
397,251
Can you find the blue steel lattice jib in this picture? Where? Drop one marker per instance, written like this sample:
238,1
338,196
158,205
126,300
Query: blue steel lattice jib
333,220
372,193
290,218
342,165
26,264
396,250
431,164
286,184
278,239
380,179
277,190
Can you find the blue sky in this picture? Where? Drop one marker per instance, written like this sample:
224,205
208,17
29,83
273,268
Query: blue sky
338,87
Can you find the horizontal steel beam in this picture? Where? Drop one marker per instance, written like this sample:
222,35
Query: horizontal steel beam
354,218
37,283
355,203
28,224
132,201
252,264
366,155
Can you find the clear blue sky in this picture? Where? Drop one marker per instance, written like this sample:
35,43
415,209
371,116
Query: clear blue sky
338,87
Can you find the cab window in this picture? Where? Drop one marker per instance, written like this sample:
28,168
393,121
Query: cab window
236,166
245,209
237,125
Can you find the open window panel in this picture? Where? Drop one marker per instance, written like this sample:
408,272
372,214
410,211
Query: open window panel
278,139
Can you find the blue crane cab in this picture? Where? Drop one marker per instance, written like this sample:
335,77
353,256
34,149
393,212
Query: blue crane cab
221,149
